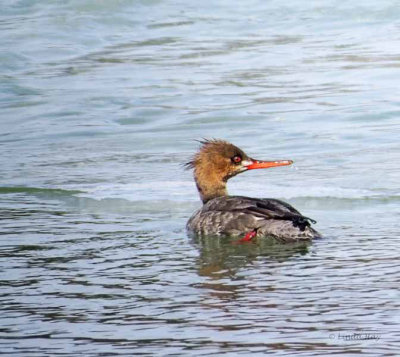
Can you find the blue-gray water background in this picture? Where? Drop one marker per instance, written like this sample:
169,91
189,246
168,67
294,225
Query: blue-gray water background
100,104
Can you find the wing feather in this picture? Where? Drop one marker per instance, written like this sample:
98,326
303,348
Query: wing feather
264,208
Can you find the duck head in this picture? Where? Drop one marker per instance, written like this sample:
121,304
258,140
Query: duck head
217,161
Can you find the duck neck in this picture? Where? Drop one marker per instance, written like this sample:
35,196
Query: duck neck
211,188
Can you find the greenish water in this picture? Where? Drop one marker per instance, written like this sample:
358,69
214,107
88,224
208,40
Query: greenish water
101,102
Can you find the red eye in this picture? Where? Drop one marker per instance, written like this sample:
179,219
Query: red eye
237,159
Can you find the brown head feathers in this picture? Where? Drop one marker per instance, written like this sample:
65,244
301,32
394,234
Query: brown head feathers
212,147
214,163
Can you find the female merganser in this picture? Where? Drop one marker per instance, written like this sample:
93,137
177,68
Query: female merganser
215,163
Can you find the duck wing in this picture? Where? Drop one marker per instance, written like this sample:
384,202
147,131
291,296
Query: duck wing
266,208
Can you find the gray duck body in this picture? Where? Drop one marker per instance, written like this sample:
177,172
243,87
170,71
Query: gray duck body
238,215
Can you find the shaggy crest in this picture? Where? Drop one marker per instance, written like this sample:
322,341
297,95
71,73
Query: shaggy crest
209,146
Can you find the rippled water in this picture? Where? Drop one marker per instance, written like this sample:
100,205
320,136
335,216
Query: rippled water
101,102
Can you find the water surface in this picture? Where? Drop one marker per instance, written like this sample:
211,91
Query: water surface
100,105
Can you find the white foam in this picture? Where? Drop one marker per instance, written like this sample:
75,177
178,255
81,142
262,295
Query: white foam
186,190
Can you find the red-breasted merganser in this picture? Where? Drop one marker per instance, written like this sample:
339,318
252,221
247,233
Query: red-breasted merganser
214,164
